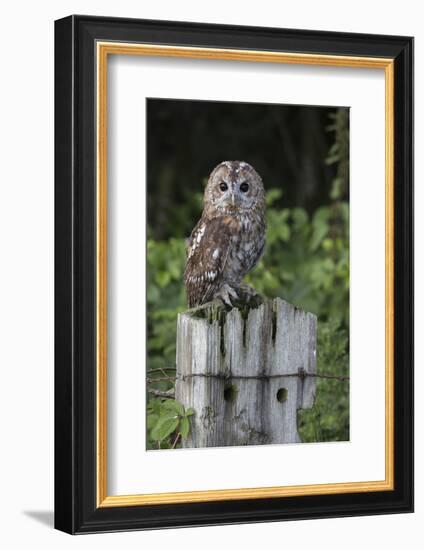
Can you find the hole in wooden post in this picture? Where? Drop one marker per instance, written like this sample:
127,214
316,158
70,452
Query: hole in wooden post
230,393
282,395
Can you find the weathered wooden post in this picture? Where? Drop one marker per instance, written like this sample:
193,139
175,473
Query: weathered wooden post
245,372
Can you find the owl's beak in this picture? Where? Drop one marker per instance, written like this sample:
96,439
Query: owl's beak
232,199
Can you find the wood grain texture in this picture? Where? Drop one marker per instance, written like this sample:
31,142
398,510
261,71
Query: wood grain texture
245,372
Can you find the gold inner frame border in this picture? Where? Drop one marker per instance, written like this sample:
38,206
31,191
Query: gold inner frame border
103,50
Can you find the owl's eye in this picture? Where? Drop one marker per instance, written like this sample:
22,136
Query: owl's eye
244,187
223,186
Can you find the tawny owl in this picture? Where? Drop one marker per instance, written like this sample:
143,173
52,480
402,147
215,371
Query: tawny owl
229,238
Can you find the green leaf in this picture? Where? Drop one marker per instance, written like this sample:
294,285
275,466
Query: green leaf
184,426
153,294
189,411
320,228
334,148
336,188
328,244
322,214
344,212
155,406
175,406
320,231
284,232
331,160
273,196
270,280
163,278
152,420
300,217
164,427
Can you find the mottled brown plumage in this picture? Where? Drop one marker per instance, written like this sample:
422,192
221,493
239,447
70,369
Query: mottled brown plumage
229,238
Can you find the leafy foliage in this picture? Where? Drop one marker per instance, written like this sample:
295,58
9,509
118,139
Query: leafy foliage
306,262
166,417
328,420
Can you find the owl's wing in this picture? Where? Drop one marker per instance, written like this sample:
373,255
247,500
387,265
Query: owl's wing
209,244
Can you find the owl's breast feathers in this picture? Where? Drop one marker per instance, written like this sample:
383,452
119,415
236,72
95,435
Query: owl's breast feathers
221,250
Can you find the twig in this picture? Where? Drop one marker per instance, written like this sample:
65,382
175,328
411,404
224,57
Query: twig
161,369
159,393
161,379
175,440
163,372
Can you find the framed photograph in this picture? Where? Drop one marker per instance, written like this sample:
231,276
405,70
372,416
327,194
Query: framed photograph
234,269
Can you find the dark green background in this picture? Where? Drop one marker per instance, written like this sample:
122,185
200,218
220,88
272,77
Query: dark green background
287,145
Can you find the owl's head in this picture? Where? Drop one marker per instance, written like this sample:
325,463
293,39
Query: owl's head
234,187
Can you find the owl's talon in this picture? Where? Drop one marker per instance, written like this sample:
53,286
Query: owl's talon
226,293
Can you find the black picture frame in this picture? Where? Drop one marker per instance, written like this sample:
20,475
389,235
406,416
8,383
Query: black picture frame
76,508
